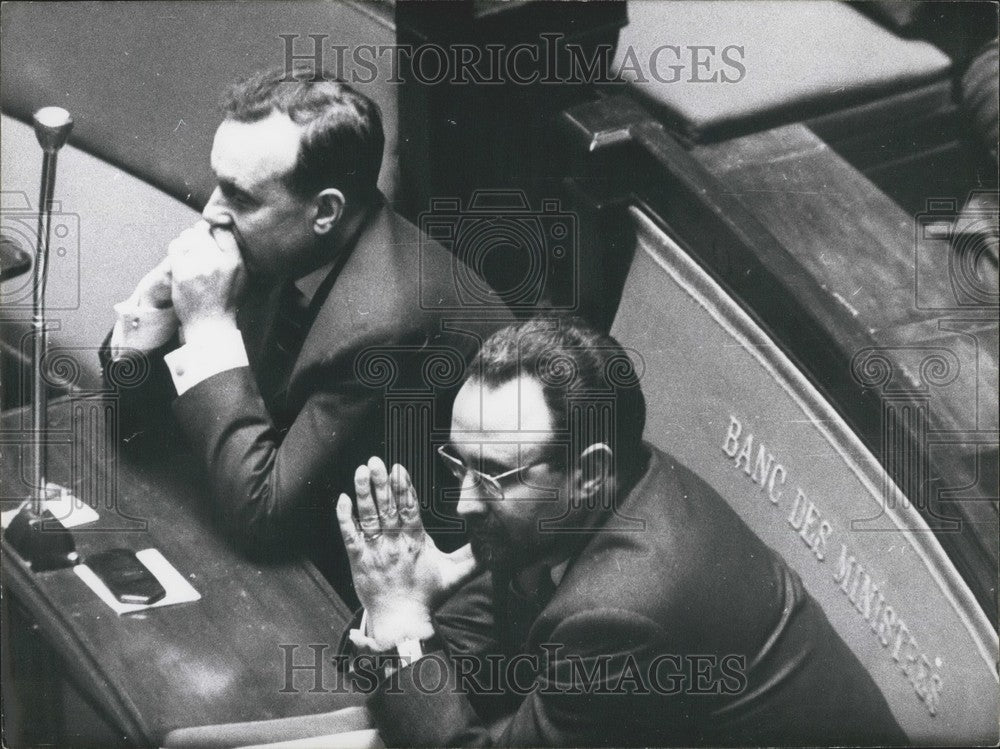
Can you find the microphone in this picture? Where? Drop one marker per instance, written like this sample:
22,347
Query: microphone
52,128
41,541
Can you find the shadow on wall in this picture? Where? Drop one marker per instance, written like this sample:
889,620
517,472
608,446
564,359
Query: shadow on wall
143,80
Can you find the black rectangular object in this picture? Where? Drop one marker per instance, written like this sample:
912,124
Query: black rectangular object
126,576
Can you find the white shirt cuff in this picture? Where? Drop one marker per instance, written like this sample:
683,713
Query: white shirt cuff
141,328
211,350
360,637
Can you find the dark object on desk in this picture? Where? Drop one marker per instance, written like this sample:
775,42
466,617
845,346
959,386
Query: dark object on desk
126,576
79,662
26,534
14,261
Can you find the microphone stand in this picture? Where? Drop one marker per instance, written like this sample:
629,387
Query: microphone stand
34,533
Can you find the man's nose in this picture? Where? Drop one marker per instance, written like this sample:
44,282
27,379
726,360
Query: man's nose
470,497
215,211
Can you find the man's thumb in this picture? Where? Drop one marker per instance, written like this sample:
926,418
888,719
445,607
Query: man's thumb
463,563
224,237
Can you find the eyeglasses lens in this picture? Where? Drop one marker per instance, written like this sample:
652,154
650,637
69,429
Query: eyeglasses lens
459,470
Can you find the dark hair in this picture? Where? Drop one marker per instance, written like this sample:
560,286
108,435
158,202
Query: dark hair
342,142
585,376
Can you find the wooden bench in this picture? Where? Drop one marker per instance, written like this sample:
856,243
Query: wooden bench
757,364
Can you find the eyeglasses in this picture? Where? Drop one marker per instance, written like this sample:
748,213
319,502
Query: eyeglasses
490,484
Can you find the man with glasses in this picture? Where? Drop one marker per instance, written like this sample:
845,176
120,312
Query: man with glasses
622,602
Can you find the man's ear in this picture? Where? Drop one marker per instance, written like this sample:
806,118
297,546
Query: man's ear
329,210
596,463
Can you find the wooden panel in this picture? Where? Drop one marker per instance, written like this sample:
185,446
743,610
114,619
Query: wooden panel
725,400
903,300
873,305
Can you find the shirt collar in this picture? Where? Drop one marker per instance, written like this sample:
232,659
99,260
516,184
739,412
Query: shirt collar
309,284
556,572
530,582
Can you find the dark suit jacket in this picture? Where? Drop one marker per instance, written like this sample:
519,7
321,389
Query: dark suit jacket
689,631
282,437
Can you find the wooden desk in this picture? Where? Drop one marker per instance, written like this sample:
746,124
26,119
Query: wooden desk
216,660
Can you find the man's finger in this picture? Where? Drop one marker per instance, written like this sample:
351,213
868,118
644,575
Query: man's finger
182,250
367,514
226,242
348,527
176,249
464,564
197,234
194,241
383,501
406,500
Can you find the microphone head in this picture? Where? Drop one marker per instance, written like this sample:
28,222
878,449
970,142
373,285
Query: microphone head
52,127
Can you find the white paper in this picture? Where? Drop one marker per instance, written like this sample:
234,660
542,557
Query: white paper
66,508
178,589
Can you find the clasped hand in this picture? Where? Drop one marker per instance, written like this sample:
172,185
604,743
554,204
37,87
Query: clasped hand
207,275
202,276
399,573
